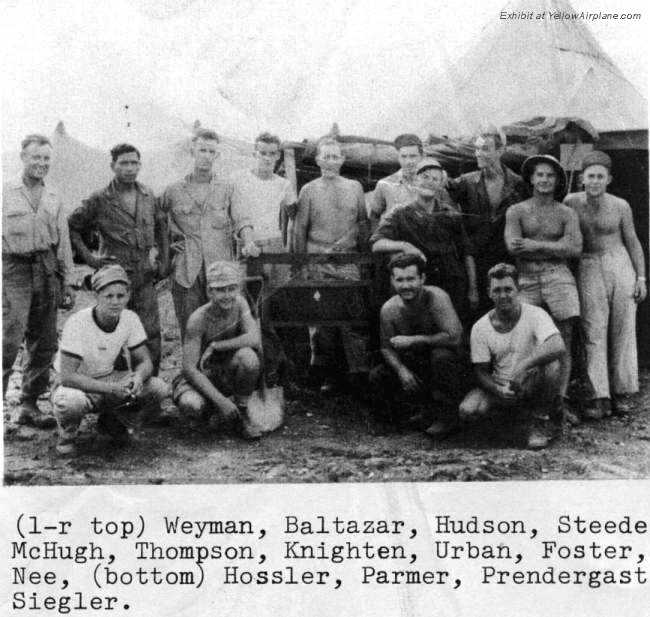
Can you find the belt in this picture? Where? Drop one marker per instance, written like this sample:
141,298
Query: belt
28,258
540,266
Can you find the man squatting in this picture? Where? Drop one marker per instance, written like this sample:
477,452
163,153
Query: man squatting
519,353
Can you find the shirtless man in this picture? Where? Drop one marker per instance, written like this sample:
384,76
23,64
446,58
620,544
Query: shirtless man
332,218
611,281
542,233
219,353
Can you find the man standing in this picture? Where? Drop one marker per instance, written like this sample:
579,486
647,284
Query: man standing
202,228
611,281
36,253
515,352
129,225
420,336
262,197
429,227
484,196
91,342
220,353
398,189
542,234
332,218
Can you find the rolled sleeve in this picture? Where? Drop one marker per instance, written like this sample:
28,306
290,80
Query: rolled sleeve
388,230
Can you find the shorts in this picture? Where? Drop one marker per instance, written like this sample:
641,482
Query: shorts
552,285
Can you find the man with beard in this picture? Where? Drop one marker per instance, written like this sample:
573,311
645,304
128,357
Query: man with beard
129,225
484,196
611,282
203,229
36,258
332,218
220,354
542,234
516,350
431,228
420,336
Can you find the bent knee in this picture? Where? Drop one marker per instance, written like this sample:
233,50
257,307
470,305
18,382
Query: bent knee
246,358
191,403
69,404
475,403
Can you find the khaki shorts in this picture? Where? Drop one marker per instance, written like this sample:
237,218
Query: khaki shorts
552,285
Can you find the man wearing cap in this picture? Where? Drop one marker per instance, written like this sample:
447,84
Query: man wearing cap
483,197
332,218
431,228
541,233
219,353
91,341
129,224
203,228
36,258
611,282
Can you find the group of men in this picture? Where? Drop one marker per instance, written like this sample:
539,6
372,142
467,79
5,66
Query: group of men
450,239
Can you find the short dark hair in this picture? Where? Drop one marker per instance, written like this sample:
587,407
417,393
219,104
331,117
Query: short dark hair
408,139
268,138
35,138
120,149
497,135
404,260
328,141
502,271
205,134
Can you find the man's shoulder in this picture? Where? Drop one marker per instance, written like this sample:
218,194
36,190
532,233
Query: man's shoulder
12,184
533,314
483,325
470,177
574,200
435,293
82,316
390,180
392,306
176,186
350,183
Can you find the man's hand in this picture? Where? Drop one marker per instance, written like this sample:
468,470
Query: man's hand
523,245
290,209
101,261
640,291
228,409
409,381
250,249
67,297
122,389
410,249
401,342
136,384
178,247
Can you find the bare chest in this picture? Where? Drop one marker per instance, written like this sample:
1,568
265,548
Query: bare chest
129,201
546,224
599,222
494,189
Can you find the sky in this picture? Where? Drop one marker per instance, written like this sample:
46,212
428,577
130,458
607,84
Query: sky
144,70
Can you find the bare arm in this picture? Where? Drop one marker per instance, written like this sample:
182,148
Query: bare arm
362,221
83,219
512,232
249,338
551,349
71,378
633,246
486,381
191,357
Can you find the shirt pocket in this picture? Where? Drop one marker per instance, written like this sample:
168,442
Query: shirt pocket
219,219
17,231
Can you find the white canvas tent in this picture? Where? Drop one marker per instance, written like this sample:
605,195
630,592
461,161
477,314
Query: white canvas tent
522,68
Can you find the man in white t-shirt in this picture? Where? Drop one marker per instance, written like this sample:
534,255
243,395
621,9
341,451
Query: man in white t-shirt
91,342
516,352
264,197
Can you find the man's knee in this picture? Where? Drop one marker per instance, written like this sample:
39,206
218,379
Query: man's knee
69,406
476,403
156,389
191,403
551,379
246,360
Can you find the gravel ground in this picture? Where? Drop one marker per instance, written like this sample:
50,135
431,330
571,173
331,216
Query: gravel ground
324,439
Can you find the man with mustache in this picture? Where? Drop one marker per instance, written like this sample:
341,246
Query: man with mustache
36,257
541,233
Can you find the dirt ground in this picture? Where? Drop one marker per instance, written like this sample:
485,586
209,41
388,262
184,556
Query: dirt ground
324,439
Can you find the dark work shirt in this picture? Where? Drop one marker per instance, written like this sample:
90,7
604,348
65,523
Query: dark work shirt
126,236
440,235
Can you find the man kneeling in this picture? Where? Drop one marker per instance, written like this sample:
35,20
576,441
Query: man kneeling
91,342
420,341
219,357
516,351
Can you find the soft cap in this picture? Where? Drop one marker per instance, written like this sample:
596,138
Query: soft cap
107,275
